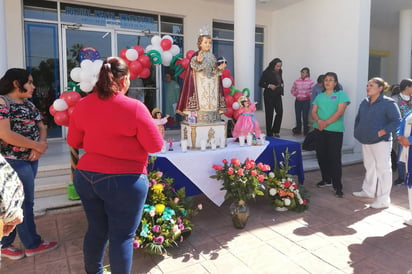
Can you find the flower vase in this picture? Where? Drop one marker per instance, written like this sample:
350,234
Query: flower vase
240,213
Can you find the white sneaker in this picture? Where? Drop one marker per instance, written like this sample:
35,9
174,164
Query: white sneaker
379,205
361,194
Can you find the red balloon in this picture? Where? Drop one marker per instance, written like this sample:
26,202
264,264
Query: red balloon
229,100
236,114
166,44
229,112
226,73
139,49
185,63
123,54
135,67
133,76
183,74
226,91
189,54
144,60
145,73
70,111
237,95
62,118
71,97
52,110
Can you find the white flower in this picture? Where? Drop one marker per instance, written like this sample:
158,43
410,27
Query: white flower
271,175
272,192
286,201
200,206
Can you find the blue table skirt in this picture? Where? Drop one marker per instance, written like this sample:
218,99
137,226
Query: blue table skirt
276,145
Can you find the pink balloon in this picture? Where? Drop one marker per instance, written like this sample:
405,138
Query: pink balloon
61,118
166,44
145,73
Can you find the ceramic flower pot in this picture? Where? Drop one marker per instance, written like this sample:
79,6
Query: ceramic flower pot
240,213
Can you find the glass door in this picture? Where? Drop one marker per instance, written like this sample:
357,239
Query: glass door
145,90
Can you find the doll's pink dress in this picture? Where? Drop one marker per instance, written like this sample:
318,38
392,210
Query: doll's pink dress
246,122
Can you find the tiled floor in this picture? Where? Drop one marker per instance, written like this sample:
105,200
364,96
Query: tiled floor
333,236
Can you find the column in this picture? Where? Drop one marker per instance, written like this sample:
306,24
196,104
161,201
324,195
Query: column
3,39
405,44
244,44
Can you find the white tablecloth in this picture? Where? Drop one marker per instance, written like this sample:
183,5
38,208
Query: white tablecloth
197,165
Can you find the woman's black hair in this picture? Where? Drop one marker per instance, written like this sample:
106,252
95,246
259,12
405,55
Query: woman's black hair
272,65
405,83
11,75
335,76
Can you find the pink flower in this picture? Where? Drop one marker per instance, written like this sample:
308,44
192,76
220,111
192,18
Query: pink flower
260,166
176,200
248,165
152,213
224,161
304,202
136,244
235,161
261,178
253,173
266,167
217,167
181,226
159,240
159,174
156,228
179,220
240,172
200,206
230,171
295,186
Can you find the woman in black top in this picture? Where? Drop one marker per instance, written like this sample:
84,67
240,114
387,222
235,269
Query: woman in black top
272,82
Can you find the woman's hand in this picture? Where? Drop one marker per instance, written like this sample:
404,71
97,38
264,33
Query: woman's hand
403,141
381,133
272,86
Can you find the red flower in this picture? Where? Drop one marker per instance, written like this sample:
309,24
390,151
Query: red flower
236,162
266,167
230,171
295,186
224,161
253,173
261,178
304,202
240,172
260,166
217,167
248,165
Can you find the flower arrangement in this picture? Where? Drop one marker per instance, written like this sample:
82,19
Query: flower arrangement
242,181
282,190
166,215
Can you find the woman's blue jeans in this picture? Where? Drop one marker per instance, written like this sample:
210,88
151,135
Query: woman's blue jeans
27,229
113,204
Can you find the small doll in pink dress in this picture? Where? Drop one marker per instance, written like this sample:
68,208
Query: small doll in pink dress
246,123
159,121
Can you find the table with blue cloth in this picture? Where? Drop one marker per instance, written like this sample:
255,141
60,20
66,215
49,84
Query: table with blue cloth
192,169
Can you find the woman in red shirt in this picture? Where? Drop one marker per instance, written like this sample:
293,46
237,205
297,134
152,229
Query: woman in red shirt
117,133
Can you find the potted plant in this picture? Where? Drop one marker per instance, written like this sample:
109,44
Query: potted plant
242,182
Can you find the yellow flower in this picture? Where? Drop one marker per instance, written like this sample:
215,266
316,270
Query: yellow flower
157,188
159,208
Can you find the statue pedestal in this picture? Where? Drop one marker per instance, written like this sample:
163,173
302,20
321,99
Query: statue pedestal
198,133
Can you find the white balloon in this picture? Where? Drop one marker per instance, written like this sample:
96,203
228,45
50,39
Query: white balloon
97,65
175,50
165,63
86,86
159,49
226,82
148,48
75,74
86,75
167,56
235,105
86,64
156,40
132,54
168,37
60,105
